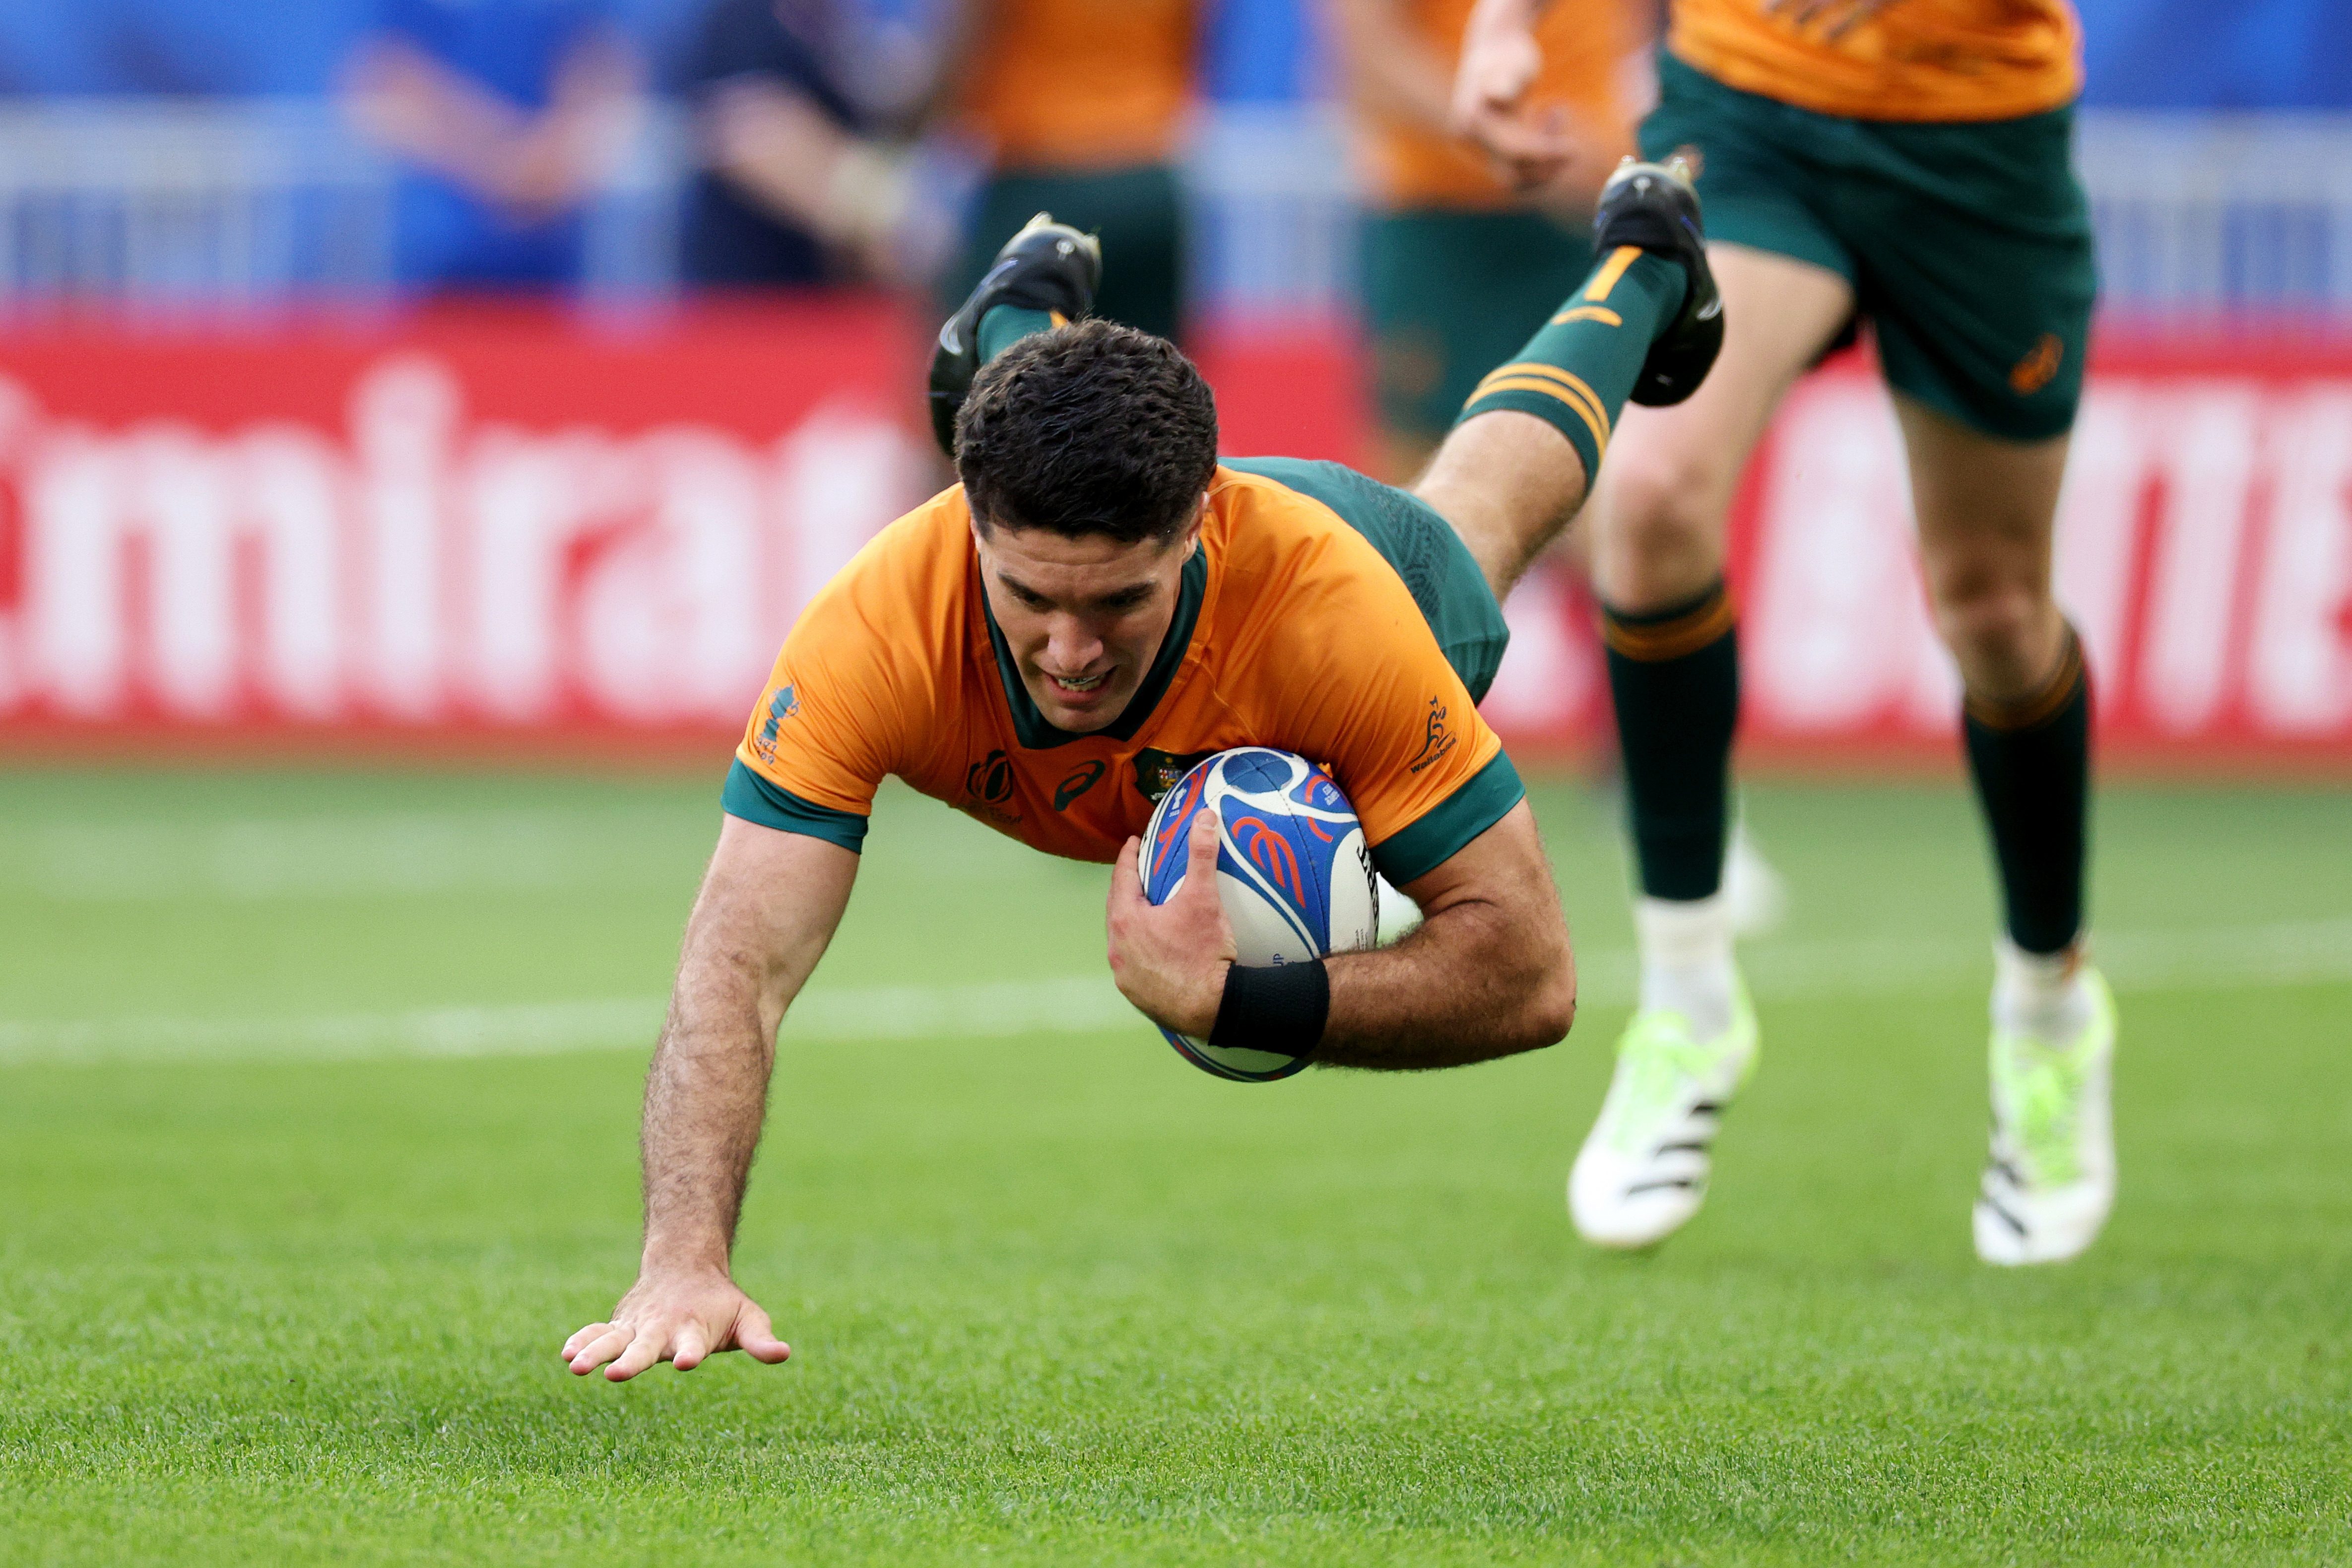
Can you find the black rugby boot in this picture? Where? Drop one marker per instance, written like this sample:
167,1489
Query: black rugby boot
1652,205
1047,266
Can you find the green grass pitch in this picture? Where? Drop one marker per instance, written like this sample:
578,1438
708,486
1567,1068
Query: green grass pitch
317,1106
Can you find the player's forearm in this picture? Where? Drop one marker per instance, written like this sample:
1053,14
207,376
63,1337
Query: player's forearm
769,905
1476,981
705,1101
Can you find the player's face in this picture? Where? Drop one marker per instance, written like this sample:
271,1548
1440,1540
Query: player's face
1084,617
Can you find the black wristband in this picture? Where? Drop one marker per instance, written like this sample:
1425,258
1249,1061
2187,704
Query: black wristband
1280,1008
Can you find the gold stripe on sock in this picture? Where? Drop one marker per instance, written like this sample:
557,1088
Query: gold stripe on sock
1500,382
2042,706
1602,314
1610,270
1575,385
1653,642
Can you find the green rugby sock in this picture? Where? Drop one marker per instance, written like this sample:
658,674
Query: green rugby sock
1673,676
1001,326
1575,373
2031,763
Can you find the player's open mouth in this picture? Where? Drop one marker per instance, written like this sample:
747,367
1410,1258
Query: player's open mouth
1077,686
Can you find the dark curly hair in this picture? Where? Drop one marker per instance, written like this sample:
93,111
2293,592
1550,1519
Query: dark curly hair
1092,429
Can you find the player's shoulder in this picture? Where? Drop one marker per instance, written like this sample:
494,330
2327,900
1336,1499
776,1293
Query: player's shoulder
1319,529
1298,577
1281,512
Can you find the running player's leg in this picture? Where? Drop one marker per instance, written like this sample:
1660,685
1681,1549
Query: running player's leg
1986,509
1976,239
1658,520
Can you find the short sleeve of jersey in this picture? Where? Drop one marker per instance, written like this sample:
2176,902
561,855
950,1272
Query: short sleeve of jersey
1361,680
830,725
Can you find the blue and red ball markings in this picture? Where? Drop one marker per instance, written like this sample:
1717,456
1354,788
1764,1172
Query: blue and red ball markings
1290,854
1287,855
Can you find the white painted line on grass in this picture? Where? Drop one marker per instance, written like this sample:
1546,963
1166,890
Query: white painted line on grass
2291,954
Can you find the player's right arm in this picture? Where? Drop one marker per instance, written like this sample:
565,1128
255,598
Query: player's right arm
769,904
1531,146
828,728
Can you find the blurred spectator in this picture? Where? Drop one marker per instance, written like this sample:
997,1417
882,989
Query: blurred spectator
1077,106
792,189
1458,271
509,112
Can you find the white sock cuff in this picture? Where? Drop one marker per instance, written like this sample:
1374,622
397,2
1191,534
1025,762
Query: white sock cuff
2014,969
1685,932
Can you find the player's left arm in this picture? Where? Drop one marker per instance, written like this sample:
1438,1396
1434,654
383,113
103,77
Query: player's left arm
1487,974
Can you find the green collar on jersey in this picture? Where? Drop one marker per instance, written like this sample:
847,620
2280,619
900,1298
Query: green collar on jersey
1032,729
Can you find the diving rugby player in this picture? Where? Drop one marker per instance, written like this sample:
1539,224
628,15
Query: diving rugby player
1099,604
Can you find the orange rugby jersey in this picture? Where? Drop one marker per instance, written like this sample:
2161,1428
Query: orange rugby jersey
1291,631
1917,59
1584,44
1081,84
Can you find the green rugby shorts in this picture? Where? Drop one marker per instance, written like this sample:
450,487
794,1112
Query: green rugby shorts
1967,243
1449,294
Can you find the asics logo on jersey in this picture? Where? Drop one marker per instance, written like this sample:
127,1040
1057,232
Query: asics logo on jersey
1082,778
1436,740
2039,366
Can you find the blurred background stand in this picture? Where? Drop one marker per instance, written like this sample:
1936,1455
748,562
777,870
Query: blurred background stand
2221,173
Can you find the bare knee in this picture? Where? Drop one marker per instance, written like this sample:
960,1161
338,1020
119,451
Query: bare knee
1659,537
2004,631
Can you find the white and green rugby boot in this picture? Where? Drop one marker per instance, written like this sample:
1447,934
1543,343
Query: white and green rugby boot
1643,1172
2050,1180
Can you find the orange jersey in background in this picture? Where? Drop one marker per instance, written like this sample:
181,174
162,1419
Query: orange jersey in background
1081,84
1301,636
1585,46
1917,59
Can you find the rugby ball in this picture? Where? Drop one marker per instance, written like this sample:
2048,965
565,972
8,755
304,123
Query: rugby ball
1293,872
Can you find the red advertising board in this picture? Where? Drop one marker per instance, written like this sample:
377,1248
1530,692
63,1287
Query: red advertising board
503,528
474,523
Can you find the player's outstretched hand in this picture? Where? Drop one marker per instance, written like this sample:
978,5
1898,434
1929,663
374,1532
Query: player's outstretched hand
1170,959
1532,146
677,1318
